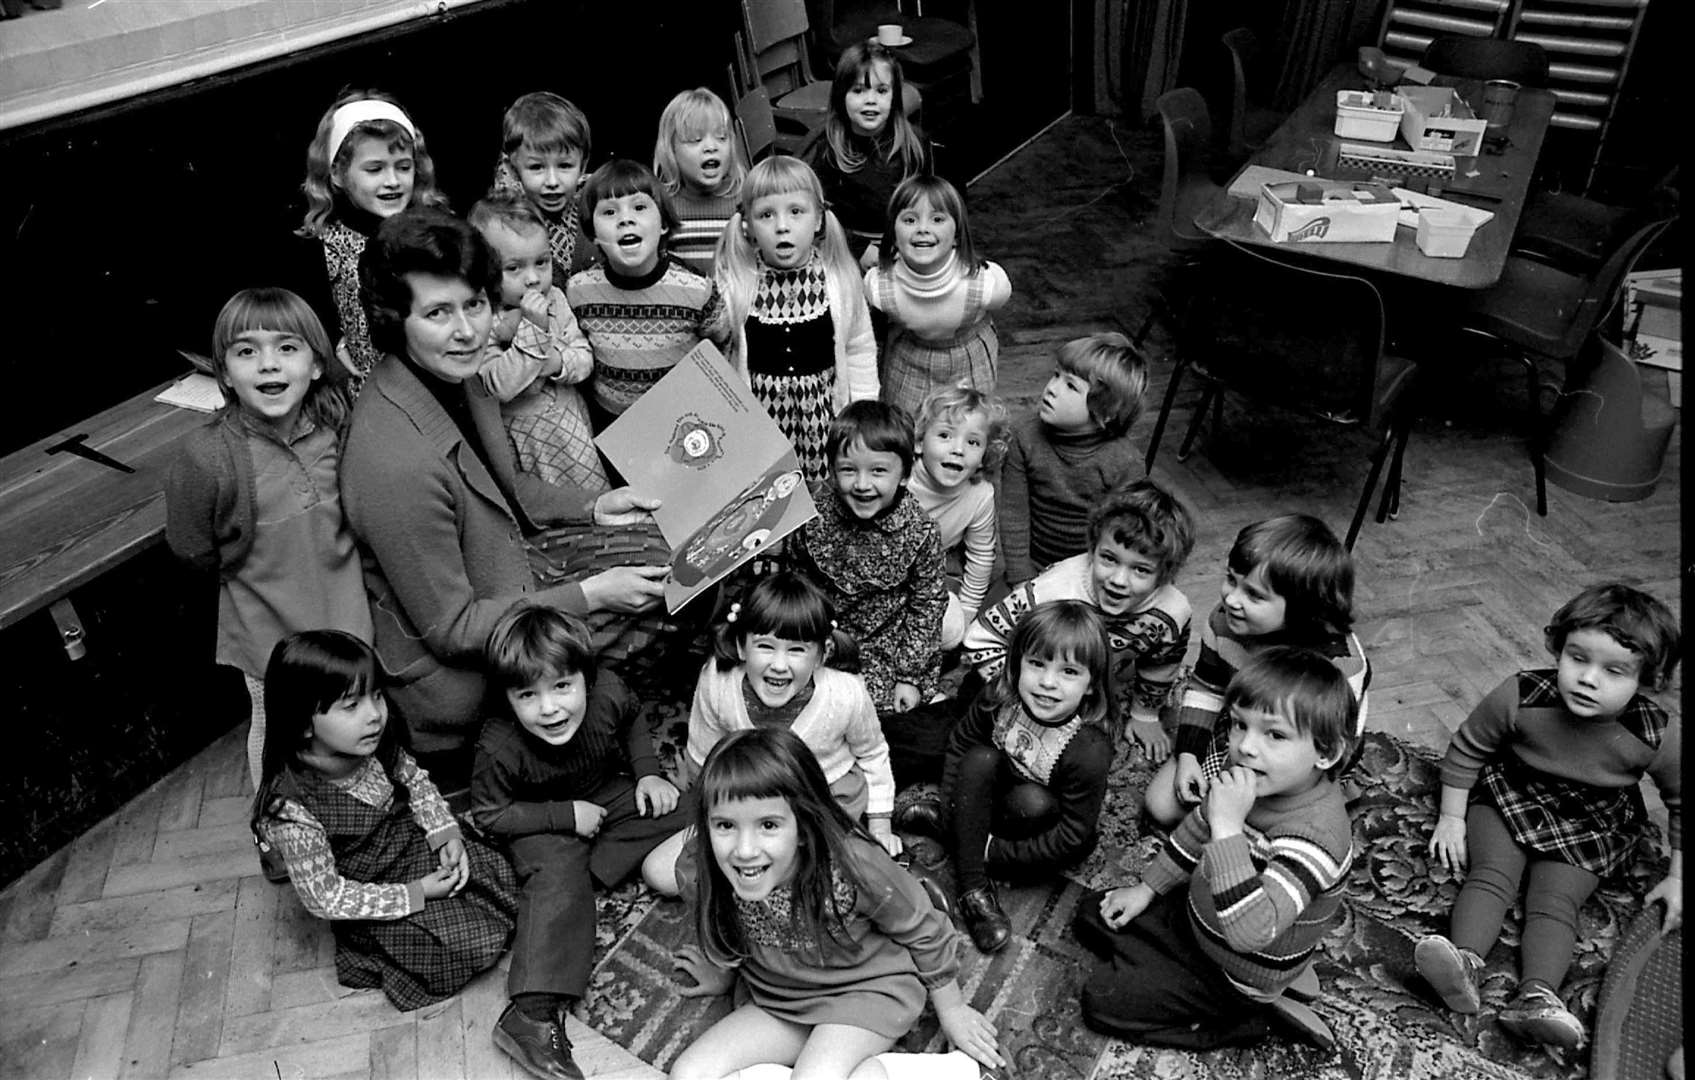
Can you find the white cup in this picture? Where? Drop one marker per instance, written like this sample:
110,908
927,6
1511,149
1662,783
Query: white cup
889,34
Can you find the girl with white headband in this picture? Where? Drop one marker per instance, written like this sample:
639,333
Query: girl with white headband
366,162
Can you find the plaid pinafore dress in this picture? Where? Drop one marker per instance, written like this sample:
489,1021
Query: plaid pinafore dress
913,366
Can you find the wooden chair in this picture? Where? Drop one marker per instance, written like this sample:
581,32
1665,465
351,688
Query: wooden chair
754,120
1251,122
1296,338
1468,57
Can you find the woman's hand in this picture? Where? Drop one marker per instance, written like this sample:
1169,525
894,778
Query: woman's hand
710,980
906,696
1447,843
1669,892
454,857
622,506
625,590
970,1031
655,796
1121,905
1190,779
1151,737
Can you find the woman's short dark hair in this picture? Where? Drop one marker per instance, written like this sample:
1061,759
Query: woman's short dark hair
418,240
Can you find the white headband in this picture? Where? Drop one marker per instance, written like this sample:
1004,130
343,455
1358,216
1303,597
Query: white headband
358,112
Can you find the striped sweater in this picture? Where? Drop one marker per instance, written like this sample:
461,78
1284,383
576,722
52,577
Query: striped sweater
640,327
701,220
1261,900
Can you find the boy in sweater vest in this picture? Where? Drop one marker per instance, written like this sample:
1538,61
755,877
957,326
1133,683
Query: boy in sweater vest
1226,918
570,782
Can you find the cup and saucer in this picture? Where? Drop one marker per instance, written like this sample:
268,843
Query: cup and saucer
891,36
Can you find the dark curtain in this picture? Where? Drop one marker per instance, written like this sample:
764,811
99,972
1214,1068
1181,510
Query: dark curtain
1316,35
1152,47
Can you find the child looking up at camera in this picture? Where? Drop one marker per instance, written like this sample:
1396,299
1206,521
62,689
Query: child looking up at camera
1540,786
1287,581
569,782
1139,539
1062,461
937,293
1227,916
544,153
699,159
641,309
800,331
961,436
536,351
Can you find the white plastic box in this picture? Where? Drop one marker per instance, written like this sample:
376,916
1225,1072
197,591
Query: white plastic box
1444,234
1363,114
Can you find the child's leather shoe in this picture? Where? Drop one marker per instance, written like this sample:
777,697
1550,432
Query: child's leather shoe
1536,1014
987,924
1450,970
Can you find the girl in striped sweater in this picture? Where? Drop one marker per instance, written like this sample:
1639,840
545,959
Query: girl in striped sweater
1226,918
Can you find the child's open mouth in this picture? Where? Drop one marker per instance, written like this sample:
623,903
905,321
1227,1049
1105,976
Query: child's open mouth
710,167
751,875
272,389
629,241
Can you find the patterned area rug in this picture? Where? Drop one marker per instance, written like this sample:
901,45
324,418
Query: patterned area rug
1386,1023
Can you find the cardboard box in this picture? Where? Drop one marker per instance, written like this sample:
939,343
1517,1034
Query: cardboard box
1327,211
1654,301
1437,118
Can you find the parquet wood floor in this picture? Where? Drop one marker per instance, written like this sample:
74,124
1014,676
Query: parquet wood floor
150,947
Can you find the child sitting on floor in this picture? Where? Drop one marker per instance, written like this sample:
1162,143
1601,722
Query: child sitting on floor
961,439
1550,764
1225,919
570,783
1062,461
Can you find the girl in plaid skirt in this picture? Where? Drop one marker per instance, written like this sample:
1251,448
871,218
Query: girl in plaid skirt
1540,784
417,907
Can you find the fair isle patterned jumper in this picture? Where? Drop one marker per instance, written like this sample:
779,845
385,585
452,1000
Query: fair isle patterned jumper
641,326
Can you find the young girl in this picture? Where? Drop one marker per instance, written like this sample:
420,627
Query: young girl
1543,776
961,439
937,294
1288,581
869,145
417,906
544,155
536,351
1027,766
700,160
366,162
800,330
769,670
836,947
254,494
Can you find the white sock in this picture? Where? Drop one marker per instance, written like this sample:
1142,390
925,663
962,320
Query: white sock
953,1065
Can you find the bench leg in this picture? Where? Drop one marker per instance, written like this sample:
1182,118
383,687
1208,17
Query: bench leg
70,628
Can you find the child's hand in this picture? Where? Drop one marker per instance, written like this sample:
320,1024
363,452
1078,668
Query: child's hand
454,857
1190,779
1151,737
505,326
1228,800
655,796
871,256
906,696
1670,892
884,833
1121,905
441,884
534,308
1447,842
710,979
589,816
970,1031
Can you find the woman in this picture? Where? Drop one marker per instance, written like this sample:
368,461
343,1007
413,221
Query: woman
452,533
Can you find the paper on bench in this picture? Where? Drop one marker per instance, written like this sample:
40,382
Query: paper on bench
198,392
1409,217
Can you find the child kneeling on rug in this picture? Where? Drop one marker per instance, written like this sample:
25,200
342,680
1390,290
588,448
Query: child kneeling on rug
836,947
1264,858
1550,764
570,782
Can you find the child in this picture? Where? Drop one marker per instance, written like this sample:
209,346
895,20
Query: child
366,162
253,495
937,296
1550,764
700,160
800,330
418,907
544,151
536,351
569,781
768,670
879,560
1027,765
1287,581
1139,539
836,946
961,436
869,146
1226,918
1061,462
641,309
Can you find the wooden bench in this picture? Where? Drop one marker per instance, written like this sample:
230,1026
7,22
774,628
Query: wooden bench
66,518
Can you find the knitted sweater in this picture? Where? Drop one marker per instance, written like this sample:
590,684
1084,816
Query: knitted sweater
1147,643
839,725
1050,482
932,306
700,223
641,326
1223,653
1526,718
1261,900
521,785
965,520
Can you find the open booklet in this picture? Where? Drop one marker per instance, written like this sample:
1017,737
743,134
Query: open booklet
727,478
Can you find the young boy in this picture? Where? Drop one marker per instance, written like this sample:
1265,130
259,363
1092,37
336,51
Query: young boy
1199,953
1139,539
536,351
571,783
1063,460
544,142
641,309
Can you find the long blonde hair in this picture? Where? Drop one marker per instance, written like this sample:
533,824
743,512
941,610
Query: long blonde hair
694,113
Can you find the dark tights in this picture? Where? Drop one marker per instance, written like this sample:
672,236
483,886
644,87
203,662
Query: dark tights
987,794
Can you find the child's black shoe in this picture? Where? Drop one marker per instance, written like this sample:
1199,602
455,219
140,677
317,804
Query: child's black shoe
987,924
